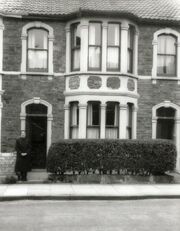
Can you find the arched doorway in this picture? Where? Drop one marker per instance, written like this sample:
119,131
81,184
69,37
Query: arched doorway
36,133
36,120
166,124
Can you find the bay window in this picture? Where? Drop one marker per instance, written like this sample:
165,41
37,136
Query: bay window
94,51
75,47
112,118
113,46
166,57
74,120
37,50
93,120
131,33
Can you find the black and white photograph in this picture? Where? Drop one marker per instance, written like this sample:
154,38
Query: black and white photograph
89,115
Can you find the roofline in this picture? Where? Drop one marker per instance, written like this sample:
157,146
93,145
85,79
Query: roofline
98,13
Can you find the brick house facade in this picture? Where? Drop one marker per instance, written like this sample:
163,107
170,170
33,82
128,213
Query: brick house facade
69,70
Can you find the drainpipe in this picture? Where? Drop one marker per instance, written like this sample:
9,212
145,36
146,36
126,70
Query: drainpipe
1,70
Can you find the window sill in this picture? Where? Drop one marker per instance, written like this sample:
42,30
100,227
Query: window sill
173,78
25,74
102,73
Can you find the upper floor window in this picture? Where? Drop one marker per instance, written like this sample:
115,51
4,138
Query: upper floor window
75,47
94,52
37,50
113,47
166,56
131,32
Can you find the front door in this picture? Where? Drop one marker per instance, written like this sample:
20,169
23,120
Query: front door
36,131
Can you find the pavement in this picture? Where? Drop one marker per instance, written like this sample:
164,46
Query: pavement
87,191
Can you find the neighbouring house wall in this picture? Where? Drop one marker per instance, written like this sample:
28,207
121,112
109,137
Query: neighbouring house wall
7,163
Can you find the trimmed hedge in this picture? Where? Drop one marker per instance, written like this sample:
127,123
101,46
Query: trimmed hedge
134,157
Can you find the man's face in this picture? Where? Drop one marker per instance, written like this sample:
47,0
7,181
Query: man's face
23,134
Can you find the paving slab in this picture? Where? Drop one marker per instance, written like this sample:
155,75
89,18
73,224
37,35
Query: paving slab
85,191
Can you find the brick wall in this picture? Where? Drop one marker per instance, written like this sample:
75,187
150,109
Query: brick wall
150,95
7,163
145,48
12,44
18,91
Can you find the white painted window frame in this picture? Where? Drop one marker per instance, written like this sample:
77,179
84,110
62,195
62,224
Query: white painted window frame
168,104
84,24
167,31
83,104
24,38
37,100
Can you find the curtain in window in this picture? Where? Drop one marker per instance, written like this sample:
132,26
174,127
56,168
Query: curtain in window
113,46
112,120
74,120
113,58
37,59
75,46
94,46
76,59
94,57
37,48
131,33
93,129
166,63
112,133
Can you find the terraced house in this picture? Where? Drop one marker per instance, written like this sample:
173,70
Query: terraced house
77,69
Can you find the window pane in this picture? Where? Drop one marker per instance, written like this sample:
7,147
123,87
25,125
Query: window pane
37,39
93,113
166,44
130,61
76,36
74,112
113,35
76,59
112,114
165,112
131,37
166,65
94,57
113,58
37,59
96,116
165,129
95,34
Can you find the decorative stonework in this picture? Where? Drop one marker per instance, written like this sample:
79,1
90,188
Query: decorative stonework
131,85
94,82
74,82
113,82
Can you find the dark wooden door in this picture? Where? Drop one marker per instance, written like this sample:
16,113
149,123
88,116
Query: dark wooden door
36,130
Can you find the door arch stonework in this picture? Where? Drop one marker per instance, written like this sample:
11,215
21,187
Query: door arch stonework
168,104
37,100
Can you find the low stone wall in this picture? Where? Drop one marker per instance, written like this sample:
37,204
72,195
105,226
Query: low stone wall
7,163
